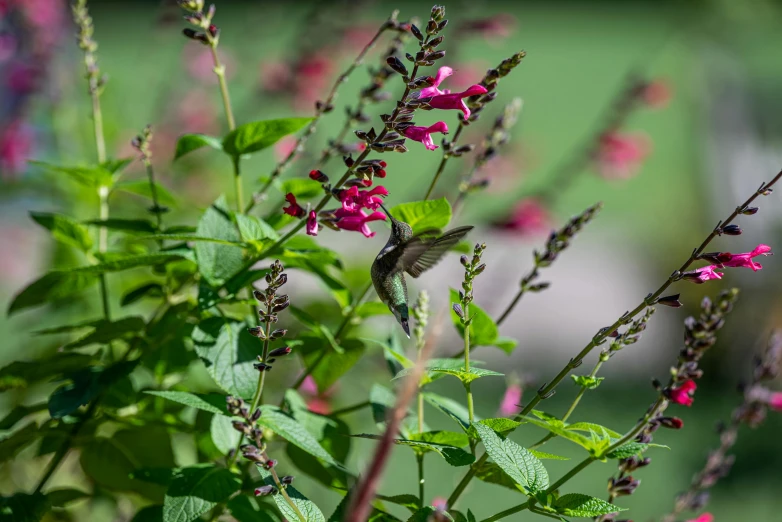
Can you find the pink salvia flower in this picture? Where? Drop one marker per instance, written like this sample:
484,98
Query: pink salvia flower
619,156
354,199
424,134
705,517
683,394
294,209
317,401
707,273
745,259
456,100
775,401
357,220
529,217
511,400
656,94
442,74
312,224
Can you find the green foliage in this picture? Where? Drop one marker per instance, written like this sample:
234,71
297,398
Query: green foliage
585,381
422,216
305,506
218,260
85,385
65,230
483,329
256,136
195,490
453,455
17,441
578,505
451,408
289,429
520,465
229,352
143,189
212,403
23,508
187,143
425,513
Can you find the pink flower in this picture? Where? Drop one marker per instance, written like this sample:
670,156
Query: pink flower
511,400
705,517
442,74
619,156
354,199
312,224
16,143
775,401
498,26
745,259
317,402
294,209
529,217
440,503
284,147
424,134
706,273
456,100
683,394
356,220
656,94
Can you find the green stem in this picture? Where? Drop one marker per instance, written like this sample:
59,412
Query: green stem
507,512
153,191
238,186
350,409
443,162
467,385
421,498
220,72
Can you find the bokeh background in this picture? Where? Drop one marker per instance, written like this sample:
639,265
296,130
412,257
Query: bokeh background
709,145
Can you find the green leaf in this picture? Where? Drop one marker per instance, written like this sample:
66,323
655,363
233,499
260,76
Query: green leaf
591,426
557,427
448,438
466,376
381,400
520,465
501,425
585,381
149,514
106,331
230,352
151,290
245,510
483,329
435,369
62,497
255,136
550,456
18,413
194,238
85,385
426,513
424,215
142,188
252,228
224,436
453,455
305,506
630,449
578,505
506,344
217,262
60,284
491,473
161,476
141,226
22,374
10,446
213,403
189,142
23,508
332,365
116,166
302,188
196,490
451,408
370,309
411,502
292,431
89,176
65,229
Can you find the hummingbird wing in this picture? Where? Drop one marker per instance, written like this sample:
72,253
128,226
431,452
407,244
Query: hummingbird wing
424,251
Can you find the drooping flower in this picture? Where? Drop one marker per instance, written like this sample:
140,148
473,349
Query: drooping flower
704,517
354,199
775,401
424,134
356,220
619,156
455,100
703,274
511,400
443,73
529,217
312,224
683,393
294,209
745,259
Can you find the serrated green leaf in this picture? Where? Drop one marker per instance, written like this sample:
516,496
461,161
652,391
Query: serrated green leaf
592,427
550,456
578,505
501,425
224,436
483,329
630,449
466,376
556,427
585,381
64,496
89,176
218,262
229,351
411,502
161,476
292,431
520,465
491,473
23,508
305,506
453,455
451,408
424,215
189,142
141,226
196,490
256,136
65,229
144,189
252,228
435,368
213,403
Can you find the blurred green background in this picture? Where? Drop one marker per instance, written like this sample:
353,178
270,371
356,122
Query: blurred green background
715,141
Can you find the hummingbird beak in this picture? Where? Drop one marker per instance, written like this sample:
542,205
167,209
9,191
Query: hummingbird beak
387,212
405,327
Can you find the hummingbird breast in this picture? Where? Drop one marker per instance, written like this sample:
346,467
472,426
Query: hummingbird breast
389,281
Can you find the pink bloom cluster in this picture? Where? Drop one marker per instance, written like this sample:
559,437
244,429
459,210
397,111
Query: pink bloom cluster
354,199
444,99
705,517
619,155
726,259
294,209
529,217
682,394
356,220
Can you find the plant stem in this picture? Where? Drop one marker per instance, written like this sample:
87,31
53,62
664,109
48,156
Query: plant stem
626,318
153,191
467,386
321,109
507,512
350,409
443,161
421,497
238,186
219,70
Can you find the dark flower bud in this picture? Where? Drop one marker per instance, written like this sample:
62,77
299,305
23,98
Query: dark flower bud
670,300
318,176
269,464
410,57
243,412
458,309
256,415
749,211
479,269
280,307
265,490
435,42
195,35
348,161
253,457
279,352
282,279
464,260
538,287
257,331
731,230
435,55
431,27
674,423
287,480
397,65
262,367
276,334
241,427
442,25
214,30
416,32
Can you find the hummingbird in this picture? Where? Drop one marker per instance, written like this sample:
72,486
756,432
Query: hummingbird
414,254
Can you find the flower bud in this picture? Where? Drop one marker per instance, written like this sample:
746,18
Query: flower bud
731,230
276,334
269,464
257,331
674,423
256,415
670,300
749,211
318,176
458,309
279,352
262,367
464,260
265,490
397,65
287,480
416,32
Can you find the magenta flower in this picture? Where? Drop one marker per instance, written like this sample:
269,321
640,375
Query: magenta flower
424,134
16,144
312,224
317,401
706,273
455,100
442,74
683,394
294,209
705,517
745,259
354,199
619,156
356,220
511,400
529,217
775,401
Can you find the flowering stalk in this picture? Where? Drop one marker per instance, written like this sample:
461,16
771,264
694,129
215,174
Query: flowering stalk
420,315
476,105
547,390
752,412
323,107
557,242
142,144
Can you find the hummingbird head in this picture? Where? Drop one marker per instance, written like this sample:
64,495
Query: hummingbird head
400,231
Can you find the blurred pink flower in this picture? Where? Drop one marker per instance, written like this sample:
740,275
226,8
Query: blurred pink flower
7,47
284,147
317,402
196,113
656,94
775,401
43,14
530,217
357,37
619,156
357,220
310,77
312,224
22,78
442,73
745,259
511,400
354,199
703,274
16,144
455,100
200,64
493,27
275,76
440,503
294,209
683,393
424,134
705,517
